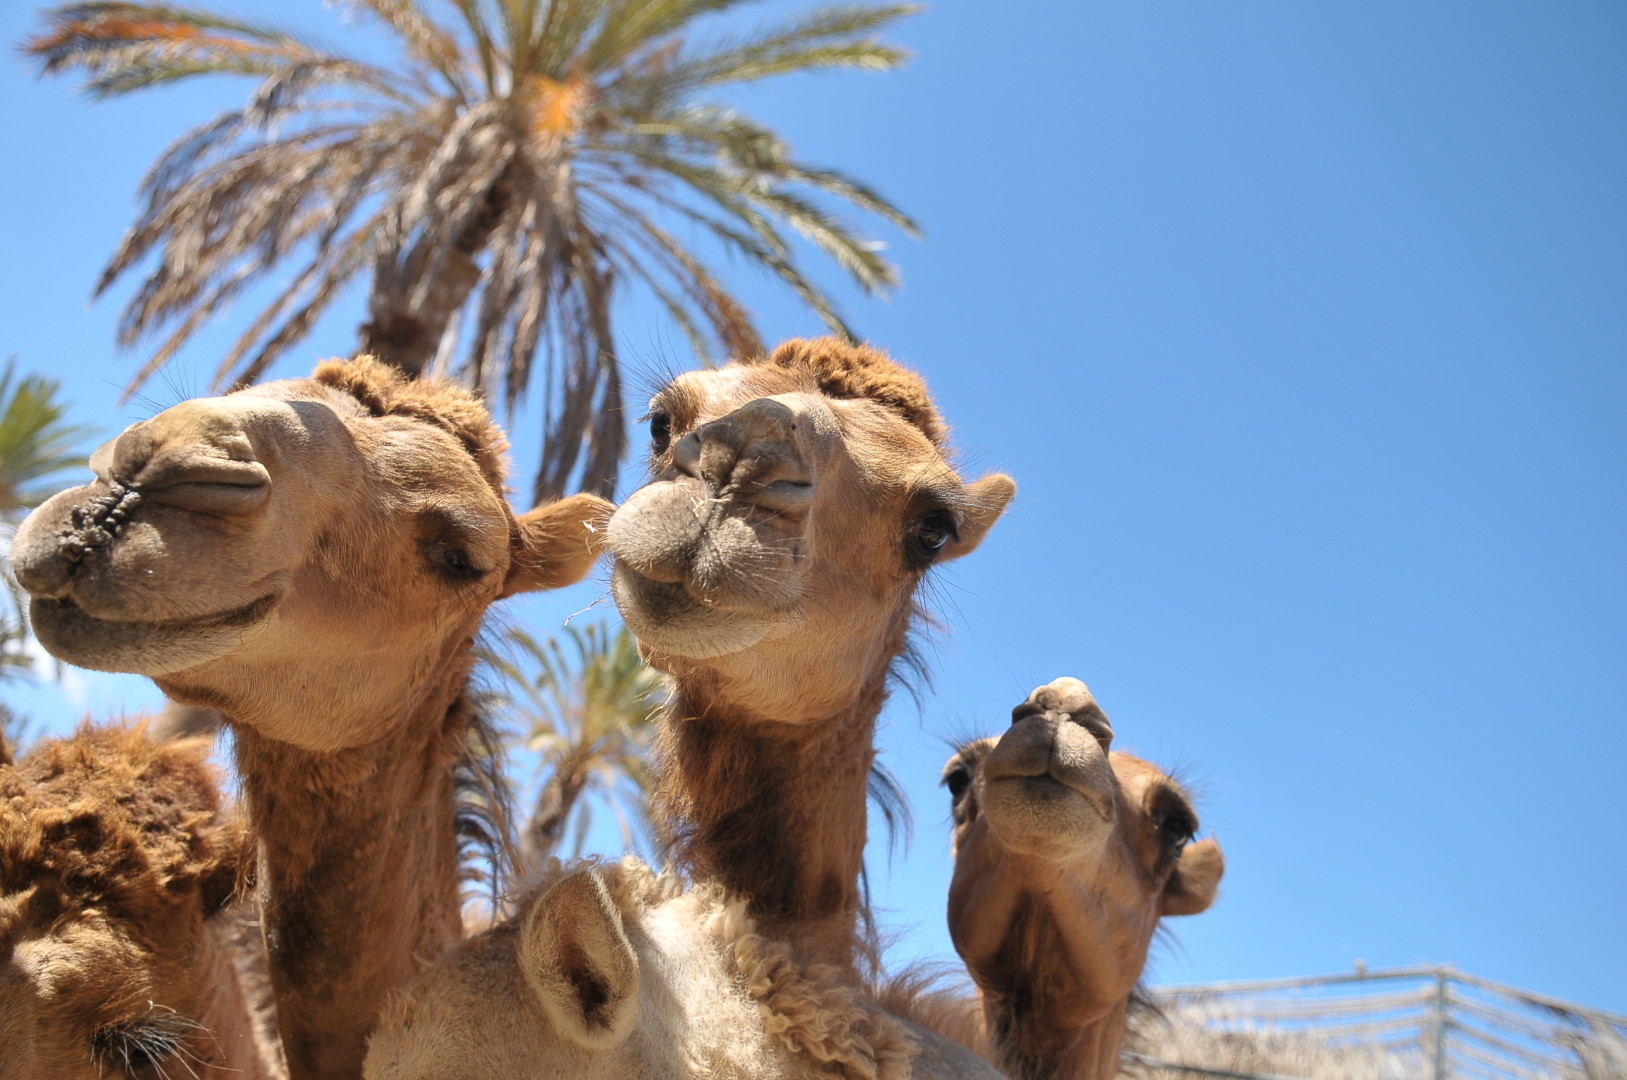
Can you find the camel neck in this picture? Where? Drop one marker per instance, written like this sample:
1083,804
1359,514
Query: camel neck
1031,1045
358,873
1046,1009
230,1009
775,812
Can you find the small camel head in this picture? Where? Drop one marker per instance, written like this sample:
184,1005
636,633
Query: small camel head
612,971
1103,837
797,501
297,554
112,857
556,985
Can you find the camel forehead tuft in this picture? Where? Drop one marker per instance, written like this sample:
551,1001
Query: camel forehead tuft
385,391
843,370
112,817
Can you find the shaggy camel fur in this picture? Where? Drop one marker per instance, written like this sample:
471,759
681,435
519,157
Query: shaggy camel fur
120,953
770,567
313,558
1066,857
613,973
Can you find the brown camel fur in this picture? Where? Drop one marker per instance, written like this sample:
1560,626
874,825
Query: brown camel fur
770,567
313,558
614,973
1066,858
119,953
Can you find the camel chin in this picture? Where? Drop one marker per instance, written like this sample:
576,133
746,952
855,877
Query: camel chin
668,620
1041,816
73,635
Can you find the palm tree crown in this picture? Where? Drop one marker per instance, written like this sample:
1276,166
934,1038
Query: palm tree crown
525,159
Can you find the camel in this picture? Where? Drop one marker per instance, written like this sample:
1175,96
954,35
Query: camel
312,558
121,953
614,973
1067,855
770,567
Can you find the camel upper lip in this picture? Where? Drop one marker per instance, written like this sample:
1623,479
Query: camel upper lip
1067,782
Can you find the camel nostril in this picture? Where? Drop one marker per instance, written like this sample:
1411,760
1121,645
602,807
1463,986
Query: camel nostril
686,456
211,486
1027,709
1095,721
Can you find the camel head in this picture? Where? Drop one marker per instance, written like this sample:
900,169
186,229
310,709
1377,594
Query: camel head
112,857
609,972
798,499
1102,838
331,539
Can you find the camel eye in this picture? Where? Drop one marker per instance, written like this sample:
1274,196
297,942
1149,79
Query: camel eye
660,431
958,780
1176,831
453,561
932,534
139,1046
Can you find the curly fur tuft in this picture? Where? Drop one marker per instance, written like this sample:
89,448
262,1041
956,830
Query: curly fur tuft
813,1009
115,819
851,371
385,391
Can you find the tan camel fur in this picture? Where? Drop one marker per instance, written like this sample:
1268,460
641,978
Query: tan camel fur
613,973
119,951
313,558
1067,856
770,567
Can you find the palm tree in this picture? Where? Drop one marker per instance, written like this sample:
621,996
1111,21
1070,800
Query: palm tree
35,443
586,703
519,164
35,446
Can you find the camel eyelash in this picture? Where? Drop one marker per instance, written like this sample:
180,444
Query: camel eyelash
134,1045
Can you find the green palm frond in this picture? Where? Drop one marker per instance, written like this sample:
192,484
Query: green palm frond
584,703
36,445
498,185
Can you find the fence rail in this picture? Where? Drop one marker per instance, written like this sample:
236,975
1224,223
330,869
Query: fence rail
1422,1023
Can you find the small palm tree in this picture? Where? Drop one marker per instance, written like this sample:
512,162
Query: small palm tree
586,703
522,162
36,445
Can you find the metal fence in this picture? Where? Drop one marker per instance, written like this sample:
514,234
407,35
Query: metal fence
1426,1023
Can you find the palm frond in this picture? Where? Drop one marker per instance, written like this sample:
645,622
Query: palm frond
583,702
36,444
500,184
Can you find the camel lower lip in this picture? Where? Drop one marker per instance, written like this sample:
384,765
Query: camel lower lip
666,617
156,647
1047,786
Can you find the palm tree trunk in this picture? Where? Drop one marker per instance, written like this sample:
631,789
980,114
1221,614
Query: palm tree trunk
405,334
554,805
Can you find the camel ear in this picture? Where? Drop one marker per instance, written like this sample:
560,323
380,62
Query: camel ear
1196,879
986,500
558,544
576,956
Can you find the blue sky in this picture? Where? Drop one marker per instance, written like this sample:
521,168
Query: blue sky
1302,328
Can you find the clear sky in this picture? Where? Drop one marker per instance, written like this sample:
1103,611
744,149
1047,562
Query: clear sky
1302,327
